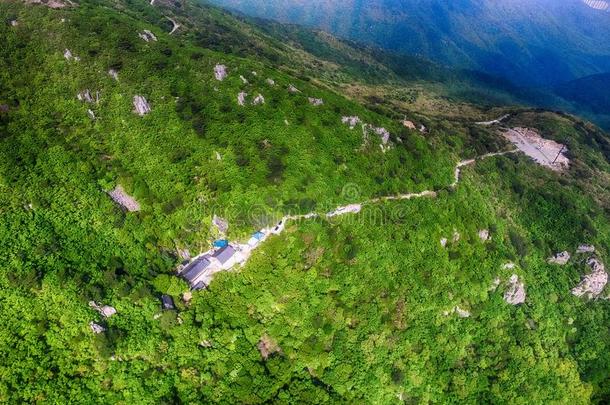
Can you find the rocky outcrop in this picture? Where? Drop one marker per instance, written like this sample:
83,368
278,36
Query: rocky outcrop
104,310
408,124
585,249
484,235
315,101
384,134
560,258
140,106
515,292
85,96
14,23
147,36
462,313
267,347
593,283
220,72
126,201
96,328
351,121
91,114
114,74
293,89
258,100
69,57
241,98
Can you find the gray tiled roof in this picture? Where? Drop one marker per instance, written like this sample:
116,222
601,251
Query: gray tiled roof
224,254
194,269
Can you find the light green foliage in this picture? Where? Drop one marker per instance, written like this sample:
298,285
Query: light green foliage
355,304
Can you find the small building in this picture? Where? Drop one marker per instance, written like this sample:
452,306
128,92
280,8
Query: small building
256,239
225,256
167,302
220,243
195,270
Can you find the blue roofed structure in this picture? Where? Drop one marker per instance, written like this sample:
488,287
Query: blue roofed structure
223,255
195,269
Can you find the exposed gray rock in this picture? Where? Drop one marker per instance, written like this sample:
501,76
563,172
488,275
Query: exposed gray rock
220,72
91,114
270,82
268,346
315,101
561,258
69,57
585,249
515,293
462,313
293,89
495,284
114,74
95,328
351,121
408,124
456,237
105,310
147,36
383,134
258,100
241,98
243,79
484,235
444,242
85,96
509,266
593,283
126,201
140,105
14,23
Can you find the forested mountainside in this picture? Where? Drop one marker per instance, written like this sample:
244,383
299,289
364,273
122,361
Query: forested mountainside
127,126
530,42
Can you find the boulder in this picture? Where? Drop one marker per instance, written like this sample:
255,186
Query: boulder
585,249
384,134
14,23
69,57
220,72
444,242
515,293
408,124
241,98
91,114
270,82
351,121
293,89
123,199
95,328
105,310
147,36
561,258
114,74
268,346
258,100
315,101
140,106
85,96
593,283
484,235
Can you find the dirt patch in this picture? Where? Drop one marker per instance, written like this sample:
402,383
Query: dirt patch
545,152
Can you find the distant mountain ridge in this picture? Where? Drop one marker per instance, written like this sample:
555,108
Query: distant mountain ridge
532,43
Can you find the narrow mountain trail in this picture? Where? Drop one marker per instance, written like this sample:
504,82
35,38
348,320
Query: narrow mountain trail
245,250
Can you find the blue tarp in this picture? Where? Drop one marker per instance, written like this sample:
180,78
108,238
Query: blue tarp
221,243
258,235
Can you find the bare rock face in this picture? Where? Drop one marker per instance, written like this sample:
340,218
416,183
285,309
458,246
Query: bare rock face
315,101
560,258
258,100
593,283
95,328
484,235
293,89
56,4
351,121
270,82
140,106
585,249
85,96
126,201
384,134
147,36
69,57
515,293
91,114
408,124
241,98
14,23
105,310
114,74
220,72
268,346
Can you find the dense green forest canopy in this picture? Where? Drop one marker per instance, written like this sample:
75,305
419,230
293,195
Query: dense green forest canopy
350,309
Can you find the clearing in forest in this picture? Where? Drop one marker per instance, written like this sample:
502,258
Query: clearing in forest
544,151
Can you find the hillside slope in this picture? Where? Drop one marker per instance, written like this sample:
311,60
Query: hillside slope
532,43
363,308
